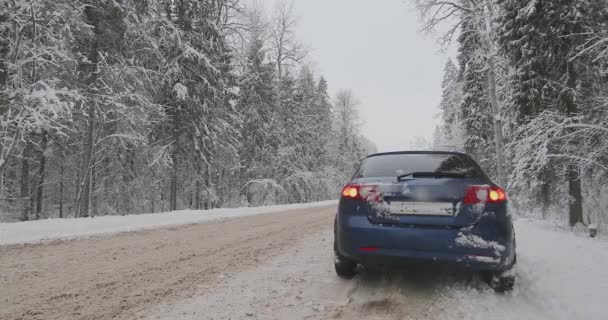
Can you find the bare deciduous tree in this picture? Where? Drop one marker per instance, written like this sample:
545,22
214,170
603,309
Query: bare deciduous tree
287,51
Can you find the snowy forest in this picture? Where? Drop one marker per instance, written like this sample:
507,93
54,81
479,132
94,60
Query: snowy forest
527,96
134,106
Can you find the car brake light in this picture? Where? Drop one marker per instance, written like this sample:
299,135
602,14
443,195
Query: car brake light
351,191
365,192
484,194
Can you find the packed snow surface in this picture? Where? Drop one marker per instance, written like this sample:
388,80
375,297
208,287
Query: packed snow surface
53,229
560,275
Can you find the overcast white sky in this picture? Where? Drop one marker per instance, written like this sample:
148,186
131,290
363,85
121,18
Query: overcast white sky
374,48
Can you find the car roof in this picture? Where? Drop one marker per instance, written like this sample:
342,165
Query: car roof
417,152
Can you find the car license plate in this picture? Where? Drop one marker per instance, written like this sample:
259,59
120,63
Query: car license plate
422,208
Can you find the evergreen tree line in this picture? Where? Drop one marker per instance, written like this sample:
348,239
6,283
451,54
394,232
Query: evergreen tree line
528,98
133,106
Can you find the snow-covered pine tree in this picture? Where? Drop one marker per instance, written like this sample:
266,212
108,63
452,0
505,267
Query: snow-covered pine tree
541,38
195,90
260,134
36,91
449,134
307,140
306,132
530,82
348,146
286,107
475,109
323,122
477,18
107,28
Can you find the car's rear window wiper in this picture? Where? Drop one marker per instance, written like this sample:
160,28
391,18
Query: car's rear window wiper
431,174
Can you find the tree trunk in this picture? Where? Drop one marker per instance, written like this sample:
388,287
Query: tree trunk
93,200
25,183
498,138
61,172
4,52
153,201
163,196
546,190
87,160
197,204
491,78
173,191
2,184
32,198
575,207
574,180
279,67
208,184
40,191
174,160
89,70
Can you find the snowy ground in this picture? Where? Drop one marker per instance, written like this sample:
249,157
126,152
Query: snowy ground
278,266
560,276
54,229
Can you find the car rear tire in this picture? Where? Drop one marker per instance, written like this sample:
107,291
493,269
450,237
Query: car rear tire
502,282
345,268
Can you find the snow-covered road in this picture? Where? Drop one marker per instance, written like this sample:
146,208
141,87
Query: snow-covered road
279,266
560,276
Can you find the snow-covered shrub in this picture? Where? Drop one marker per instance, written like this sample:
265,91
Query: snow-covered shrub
263,192
209,198
306,186
236,202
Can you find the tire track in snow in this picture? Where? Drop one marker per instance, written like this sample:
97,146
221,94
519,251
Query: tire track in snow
406,293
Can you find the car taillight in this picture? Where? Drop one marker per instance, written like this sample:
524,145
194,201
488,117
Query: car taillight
363,192
351,191
484,194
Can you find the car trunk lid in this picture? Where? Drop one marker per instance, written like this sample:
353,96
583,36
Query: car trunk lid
420,201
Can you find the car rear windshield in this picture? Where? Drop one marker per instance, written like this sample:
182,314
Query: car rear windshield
394,165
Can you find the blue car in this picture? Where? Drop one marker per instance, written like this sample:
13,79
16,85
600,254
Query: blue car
435,207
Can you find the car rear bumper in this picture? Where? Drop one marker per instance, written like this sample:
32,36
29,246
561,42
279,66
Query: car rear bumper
360,240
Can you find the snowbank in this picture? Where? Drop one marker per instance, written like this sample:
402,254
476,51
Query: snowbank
559,276
53,229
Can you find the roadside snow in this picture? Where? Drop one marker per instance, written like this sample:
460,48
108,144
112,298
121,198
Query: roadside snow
54,229
559,276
